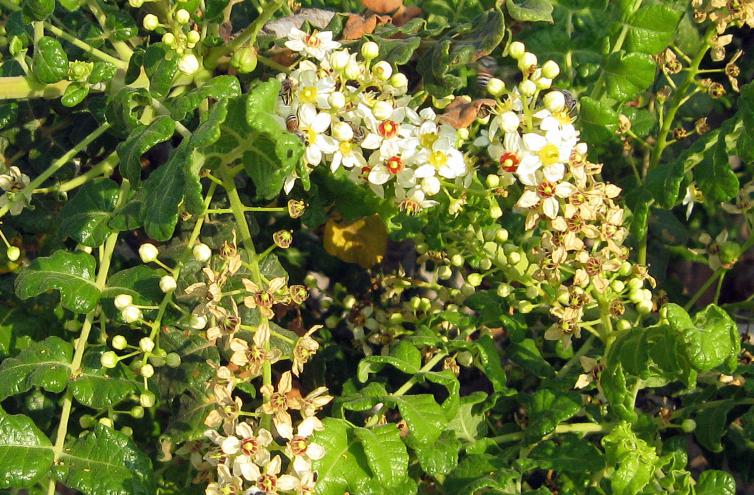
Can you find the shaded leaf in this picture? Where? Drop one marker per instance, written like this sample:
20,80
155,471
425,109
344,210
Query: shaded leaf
86,216
530,10
141,140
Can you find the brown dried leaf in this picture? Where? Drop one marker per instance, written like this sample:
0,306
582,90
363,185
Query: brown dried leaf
461,113
405,14
356,26
382,6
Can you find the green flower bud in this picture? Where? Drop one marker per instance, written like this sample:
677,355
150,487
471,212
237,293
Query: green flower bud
173,360
137,412
109,359
79,71
465,358
475,279
87,421
106,421
147,399
244,60
688,425
13,253
457,260
119,342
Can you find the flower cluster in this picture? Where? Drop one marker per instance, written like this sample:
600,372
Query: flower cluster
354,113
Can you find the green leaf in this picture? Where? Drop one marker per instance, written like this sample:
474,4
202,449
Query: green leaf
50,62
530,10
122,109
396,51
404,357
195,351
39,10
711,425
527,355
354,460
632,460
140,282
99,388
218,88
74,94
627,75
425,418
119,24
441,457
711,339
101,72
468,425
570,455
652,28
142,139
548,408
163,191
745,144
385,453
714,175
664,182
70,273
270,160
45,364
85,217
211,129
490,362
713,482
106,462
161,66
616,387
25,452
475,473
598,120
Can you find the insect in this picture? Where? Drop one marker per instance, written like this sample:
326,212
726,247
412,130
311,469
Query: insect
291,124
570,102
286,90
358,132
486,69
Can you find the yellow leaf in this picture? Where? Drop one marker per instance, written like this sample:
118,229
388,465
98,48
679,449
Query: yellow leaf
363,241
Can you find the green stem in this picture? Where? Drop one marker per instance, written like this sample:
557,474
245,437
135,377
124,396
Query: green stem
239,213
86,47
78,356
23,87
412,381
247,36
585,347
121,47
57,164
585,428
103,168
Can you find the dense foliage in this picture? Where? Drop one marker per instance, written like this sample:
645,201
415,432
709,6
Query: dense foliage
447,247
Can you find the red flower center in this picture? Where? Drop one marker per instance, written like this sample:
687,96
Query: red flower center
249,446
509,161
388,129
394,164
312,40
546,189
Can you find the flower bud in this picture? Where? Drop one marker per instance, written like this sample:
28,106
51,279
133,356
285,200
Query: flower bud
465,358
527,88
527,61
188,64
332,321
339,60
13,253
244,60
173,360
644,307
543,83
198,322
146,344
444,272
193,37
150,22
688,425
501,235
167,284
485,263
495,87
623,324
382,110
136,3
106,422
509,121
457,260
554,101
474,279
399,80
122,301
370,50
618,286
86,421
131,314
495,210
525,307
137,412
635,284
342,131
169,39
202,253
147,399
503,290
382,70
182,16
550,69
516,49
147,371
353,70
148,252
337,100
109,359
492,181
119,342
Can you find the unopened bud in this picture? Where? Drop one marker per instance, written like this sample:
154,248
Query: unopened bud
167,284
202,253
148,252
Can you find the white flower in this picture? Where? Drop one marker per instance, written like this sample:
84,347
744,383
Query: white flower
270,481
315,90
349,155
548,193
14,180
539,152
188,64
316,45
299,446
313,125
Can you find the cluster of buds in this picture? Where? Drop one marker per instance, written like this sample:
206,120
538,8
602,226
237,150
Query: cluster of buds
177,34
353,112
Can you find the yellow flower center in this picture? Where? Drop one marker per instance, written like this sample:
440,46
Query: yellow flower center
429,139
345,148
312,40
549,154
311,136
308,94
438,159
